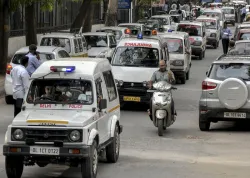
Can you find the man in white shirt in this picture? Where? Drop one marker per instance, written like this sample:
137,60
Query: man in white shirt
20,83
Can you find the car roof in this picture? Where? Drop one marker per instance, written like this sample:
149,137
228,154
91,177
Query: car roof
227,7
84,66
242,41
212,10
60,35
180,35
232,59
130,24
191,22
41,49
96,33
161,16
113,28
206,17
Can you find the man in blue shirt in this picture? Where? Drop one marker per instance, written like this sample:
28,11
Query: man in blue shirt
225,33
34,63
243,13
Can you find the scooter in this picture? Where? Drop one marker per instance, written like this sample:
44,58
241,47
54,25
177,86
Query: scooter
162,116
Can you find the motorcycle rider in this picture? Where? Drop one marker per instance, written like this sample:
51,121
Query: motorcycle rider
162,75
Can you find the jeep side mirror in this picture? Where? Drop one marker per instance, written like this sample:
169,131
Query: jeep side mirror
102,104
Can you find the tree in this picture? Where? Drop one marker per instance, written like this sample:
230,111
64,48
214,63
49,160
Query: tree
111,17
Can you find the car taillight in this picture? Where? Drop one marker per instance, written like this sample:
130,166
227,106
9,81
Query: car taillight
8,69
208,85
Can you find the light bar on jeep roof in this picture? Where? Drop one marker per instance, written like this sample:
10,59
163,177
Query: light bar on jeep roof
62,68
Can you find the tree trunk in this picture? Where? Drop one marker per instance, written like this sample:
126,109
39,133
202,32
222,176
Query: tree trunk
111,18
88,22
4,34
30,24
105,8
81,16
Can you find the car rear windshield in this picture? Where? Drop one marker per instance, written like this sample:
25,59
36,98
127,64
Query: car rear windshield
58,91
59,42
97,40
43,57
224,71
244,36
175,45
192,30
228,11
136,57
209,23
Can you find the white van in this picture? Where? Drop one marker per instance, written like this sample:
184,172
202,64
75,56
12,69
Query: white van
134,61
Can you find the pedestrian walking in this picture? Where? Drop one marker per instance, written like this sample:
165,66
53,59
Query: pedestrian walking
198,12
225,33
34,63
243,13
20,83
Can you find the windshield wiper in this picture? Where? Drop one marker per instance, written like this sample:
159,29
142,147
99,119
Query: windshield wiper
44,102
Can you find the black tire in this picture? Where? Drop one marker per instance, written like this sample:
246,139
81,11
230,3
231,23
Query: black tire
187,74
218,43
160,127
9,99
233,24
204,126
89,165
183,79
14,167
204,53
113,149
215,45
200,56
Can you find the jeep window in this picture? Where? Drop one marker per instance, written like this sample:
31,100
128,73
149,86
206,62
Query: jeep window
76,46
111,87
43,57
228,11
192,30
80,44
98,83
213,14
209,23
136,57
59,42
97,40
224,71
63,54
60,91
175,45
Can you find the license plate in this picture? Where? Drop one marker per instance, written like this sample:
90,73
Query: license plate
235,115
44,150
131,98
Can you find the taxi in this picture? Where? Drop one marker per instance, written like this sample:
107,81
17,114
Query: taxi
180,54
70,115
100,44
213,29
197,36
74,44
134,61
119,32
217,12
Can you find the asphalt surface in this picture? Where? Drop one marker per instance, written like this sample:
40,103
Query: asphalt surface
183,152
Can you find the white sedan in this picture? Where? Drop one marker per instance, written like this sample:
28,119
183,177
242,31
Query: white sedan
45,53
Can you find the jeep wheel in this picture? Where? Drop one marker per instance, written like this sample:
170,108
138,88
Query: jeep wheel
215,45
113,149
203,54
187,74
89,165
204,125
183,79
14,167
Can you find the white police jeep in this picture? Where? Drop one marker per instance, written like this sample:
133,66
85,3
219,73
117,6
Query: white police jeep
70,115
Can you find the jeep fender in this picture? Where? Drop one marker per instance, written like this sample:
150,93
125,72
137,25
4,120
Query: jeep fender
114,121
93,134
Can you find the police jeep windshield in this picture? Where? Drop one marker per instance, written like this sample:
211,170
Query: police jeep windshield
96,40
175,45
209,23
60,91
136,57
192,30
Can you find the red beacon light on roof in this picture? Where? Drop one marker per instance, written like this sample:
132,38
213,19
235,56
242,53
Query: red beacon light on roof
127,31
62,68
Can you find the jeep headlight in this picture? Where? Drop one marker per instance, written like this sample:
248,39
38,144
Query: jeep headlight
75,135
213,35
18,135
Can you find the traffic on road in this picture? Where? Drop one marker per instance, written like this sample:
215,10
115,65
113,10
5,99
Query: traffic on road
167,97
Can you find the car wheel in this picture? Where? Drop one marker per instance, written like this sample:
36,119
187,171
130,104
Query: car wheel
187,74
160,127
204,125
201,56
9,99
89,165
14,167
113,149
183,79
215,45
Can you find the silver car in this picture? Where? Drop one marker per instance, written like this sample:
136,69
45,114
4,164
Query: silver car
225,91
229,15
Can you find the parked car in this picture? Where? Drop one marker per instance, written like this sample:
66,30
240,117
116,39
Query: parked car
45,53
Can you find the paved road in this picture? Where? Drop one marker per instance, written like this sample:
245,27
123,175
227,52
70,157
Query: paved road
183,152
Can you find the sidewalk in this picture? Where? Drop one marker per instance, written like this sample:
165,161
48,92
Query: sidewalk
1,86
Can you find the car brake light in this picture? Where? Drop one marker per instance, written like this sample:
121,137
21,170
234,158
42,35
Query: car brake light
208,85
8,69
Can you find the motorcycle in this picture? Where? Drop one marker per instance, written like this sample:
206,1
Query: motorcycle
162,116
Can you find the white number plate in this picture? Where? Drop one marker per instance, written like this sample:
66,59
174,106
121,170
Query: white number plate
235,115
44,150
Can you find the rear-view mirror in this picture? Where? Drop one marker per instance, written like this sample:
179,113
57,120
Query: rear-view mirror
102,104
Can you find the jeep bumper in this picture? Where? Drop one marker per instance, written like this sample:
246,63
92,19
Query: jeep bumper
24,150
211,41
196,50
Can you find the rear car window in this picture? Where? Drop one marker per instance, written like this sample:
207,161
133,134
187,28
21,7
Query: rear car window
224,71
43,57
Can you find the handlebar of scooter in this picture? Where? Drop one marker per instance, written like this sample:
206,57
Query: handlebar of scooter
154,90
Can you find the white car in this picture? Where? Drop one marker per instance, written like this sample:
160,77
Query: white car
119,32
100,44
45,52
